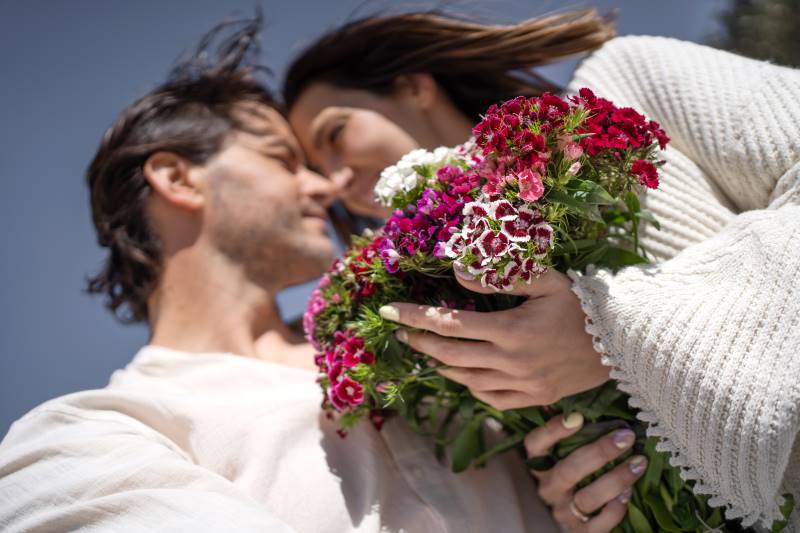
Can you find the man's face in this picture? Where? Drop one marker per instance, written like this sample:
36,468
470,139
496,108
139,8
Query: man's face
266,210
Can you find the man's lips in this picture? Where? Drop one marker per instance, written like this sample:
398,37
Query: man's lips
315,213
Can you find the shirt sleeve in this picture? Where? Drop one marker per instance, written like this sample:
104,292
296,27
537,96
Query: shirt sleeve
63,472
707,342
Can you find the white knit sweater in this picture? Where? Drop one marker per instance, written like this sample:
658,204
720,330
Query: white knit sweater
707,340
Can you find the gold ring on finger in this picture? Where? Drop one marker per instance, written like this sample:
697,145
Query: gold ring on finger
577,513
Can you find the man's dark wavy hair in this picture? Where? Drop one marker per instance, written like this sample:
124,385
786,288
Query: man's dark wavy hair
190,115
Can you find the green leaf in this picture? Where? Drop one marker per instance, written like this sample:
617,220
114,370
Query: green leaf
606,395
786,510
532,414
616,412
619,257
575,205
661,514
503,446
592,192
665,495
649,217
467,445
466,407
632,202
573,246
655,465
715,520
638,520
540,464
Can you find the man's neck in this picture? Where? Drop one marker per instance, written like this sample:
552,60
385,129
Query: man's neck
205,303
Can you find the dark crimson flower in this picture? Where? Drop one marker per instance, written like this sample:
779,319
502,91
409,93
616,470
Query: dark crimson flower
492,245
647,172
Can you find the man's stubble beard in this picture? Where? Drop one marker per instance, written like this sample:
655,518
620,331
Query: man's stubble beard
270,253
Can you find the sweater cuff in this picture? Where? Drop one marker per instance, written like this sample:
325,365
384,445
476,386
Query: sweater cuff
604,322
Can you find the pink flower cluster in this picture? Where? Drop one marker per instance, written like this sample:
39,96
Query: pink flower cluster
348,350
316,304
500,243
424,225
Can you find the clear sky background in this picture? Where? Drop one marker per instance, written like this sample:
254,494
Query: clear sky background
66,70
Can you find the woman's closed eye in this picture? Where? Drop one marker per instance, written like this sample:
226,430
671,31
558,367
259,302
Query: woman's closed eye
334,133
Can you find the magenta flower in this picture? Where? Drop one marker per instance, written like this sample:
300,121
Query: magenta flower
349,392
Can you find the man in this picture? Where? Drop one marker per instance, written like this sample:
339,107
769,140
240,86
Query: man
200,194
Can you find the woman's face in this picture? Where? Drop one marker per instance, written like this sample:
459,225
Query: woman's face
351,135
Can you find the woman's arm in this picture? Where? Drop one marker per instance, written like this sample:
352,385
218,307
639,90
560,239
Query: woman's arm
707,342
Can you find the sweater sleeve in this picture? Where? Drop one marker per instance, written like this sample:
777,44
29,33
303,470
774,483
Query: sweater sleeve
64,472
707,341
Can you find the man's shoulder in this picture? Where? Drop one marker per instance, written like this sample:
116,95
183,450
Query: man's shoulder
82,417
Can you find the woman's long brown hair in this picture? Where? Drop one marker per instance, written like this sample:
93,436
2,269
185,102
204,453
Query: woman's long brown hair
475,64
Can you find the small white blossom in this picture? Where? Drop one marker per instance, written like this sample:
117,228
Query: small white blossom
402,178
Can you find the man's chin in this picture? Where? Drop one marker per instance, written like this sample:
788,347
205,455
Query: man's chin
310,263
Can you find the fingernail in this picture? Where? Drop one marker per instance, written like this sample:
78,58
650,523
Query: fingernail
624,438
389,312
461,272
625,497
574,420
401,335
638,464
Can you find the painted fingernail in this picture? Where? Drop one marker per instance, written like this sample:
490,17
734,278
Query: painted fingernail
624,438
574,420
625,497
638,464
389,312
401,335
461,272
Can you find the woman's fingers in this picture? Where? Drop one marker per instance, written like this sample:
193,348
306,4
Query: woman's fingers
585,460
611,485
606,520
444,321
539,441
452,352
611,515
505,400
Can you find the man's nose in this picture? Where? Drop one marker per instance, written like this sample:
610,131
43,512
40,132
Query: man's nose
323,191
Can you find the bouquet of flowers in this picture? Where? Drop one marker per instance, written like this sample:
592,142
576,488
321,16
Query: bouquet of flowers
544,183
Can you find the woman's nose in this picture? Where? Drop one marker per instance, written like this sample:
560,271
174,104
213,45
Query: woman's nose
341,178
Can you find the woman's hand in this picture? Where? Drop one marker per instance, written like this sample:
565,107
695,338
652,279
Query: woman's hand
534,354
607,496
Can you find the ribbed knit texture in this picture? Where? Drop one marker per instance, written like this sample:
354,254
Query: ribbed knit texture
707,339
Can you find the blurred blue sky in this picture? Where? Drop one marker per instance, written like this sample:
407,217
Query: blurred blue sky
66,70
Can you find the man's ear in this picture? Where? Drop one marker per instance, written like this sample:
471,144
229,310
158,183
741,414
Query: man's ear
420,87
170,177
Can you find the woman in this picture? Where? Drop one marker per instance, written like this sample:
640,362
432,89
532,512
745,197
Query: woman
705,340
352,134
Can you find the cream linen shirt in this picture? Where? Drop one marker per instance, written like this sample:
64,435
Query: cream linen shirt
219,442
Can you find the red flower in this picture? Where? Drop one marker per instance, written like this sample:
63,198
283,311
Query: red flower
349,391
647,172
